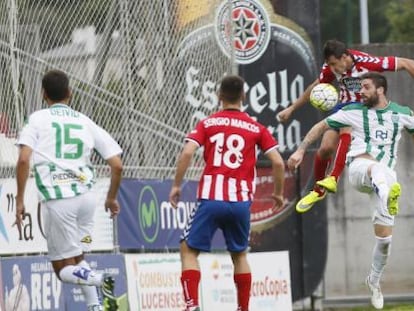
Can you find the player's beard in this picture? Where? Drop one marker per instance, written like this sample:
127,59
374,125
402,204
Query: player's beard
371,101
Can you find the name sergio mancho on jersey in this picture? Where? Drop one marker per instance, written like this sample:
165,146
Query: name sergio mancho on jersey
231,122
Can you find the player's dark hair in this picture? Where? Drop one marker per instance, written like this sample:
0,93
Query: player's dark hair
378,79
334,48
55,84
231,89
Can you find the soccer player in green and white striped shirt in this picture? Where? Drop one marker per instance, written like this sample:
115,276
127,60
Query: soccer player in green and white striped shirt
61,140
376,131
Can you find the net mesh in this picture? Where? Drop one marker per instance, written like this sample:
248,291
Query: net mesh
141,69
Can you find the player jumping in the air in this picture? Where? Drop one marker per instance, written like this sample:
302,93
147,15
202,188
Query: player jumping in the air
376,129
346,67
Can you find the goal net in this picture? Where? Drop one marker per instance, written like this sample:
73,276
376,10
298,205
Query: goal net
143,70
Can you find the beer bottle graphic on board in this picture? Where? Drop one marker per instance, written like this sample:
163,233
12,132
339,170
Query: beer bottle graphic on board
276,57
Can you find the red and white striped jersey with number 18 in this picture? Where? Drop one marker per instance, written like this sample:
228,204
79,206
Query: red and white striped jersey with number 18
230,139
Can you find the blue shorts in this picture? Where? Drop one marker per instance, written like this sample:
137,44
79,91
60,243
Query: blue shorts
233,218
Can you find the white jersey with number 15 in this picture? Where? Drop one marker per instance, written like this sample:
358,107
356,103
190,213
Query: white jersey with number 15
62,140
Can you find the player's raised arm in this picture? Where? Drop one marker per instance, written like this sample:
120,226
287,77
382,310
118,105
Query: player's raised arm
406,64
315,132
286,113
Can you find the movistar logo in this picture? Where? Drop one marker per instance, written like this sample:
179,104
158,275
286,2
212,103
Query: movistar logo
148,214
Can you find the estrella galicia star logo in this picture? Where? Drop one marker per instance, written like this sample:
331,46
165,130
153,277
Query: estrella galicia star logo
247,32
245,29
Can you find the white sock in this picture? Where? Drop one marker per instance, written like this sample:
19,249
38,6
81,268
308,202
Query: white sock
379,181
80,275
89,292
382,250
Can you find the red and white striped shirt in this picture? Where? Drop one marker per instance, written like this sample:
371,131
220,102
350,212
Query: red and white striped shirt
230,139
350,81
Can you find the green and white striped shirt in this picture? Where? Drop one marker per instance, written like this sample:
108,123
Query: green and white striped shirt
374,131
62,140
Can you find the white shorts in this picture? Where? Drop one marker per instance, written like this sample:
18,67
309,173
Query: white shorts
361,181
68,225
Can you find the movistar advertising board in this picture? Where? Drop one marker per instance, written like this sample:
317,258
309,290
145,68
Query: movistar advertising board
148,221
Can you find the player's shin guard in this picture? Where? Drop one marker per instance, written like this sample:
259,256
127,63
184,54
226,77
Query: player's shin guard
189,281
243,283
340,159
382,250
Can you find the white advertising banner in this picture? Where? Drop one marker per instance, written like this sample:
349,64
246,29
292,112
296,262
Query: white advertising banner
271,288
154,282
31,238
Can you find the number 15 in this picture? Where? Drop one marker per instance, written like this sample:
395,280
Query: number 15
66,139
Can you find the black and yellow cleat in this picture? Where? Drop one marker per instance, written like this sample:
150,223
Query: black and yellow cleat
109,300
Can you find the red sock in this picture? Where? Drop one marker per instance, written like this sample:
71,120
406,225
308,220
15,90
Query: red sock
339,164
243,283
319,170
189,282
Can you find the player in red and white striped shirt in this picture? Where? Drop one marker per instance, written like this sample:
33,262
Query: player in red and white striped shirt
230,139
345,66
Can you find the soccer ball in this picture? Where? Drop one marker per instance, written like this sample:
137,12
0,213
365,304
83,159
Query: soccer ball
324,96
